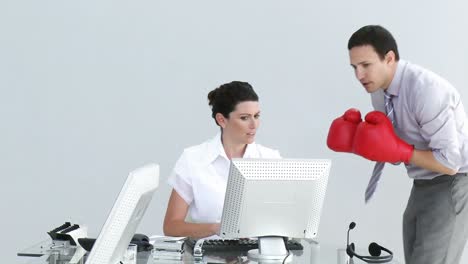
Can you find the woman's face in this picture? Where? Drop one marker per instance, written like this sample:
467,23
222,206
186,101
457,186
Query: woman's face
242,124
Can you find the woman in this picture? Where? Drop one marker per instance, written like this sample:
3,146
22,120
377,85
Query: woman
200,175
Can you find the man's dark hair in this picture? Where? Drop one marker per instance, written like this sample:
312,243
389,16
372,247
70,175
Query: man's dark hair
225,98
376,36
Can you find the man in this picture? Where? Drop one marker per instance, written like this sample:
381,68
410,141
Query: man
420,120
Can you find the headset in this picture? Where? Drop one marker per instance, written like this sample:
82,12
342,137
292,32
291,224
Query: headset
375,251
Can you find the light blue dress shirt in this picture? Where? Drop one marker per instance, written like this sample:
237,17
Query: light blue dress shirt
429,114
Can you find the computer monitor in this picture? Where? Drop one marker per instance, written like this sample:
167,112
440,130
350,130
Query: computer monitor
272,199
125,216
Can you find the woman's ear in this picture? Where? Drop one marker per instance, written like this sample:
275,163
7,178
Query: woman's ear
221,120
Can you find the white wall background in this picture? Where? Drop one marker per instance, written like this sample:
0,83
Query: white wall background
90,90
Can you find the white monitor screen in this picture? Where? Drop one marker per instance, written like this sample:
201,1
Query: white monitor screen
274,197
125,216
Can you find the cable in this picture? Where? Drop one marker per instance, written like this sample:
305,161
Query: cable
285,258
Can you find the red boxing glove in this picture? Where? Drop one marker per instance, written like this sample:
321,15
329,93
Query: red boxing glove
375,140
341,134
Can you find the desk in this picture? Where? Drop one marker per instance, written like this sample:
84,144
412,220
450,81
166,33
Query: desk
313,253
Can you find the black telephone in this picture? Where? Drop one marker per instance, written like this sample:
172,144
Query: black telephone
142,241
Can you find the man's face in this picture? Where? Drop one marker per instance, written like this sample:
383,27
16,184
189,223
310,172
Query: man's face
372,72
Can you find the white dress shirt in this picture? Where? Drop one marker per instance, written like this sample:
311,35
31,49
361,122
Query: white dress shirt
429,115
200,177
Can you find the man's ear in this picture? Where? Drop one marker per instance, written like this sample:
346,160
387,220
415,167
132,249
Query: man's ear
390,57
221,120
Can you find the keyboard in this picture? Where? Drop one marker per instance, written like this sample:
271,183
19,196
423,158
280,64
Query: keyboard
213,245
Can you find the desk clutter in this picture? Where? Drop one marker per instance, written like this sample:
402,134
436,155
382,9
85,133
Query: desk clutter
68,232
141,241
164,249
167,249
63,241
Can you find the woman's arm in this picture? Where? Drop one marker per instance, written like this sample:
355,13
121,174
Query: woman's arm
174,221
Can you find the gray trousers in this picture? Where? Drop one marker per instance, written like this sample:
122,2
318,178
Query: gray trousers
435,222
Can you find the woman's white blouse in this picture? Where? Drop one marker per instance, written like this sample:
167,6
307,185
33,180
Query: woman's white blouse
200,177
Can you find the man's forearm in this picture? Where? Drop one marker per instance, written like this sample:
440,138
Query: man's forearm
425,159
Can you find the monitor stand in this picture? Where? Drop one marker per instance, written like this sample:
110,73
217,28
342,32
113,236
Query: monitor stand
270,249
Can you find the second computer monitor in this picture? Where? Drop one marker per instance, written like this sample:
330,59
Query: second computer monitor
125,215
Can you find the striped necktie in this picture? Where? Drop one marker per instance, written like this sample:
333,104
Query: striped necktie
378,168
